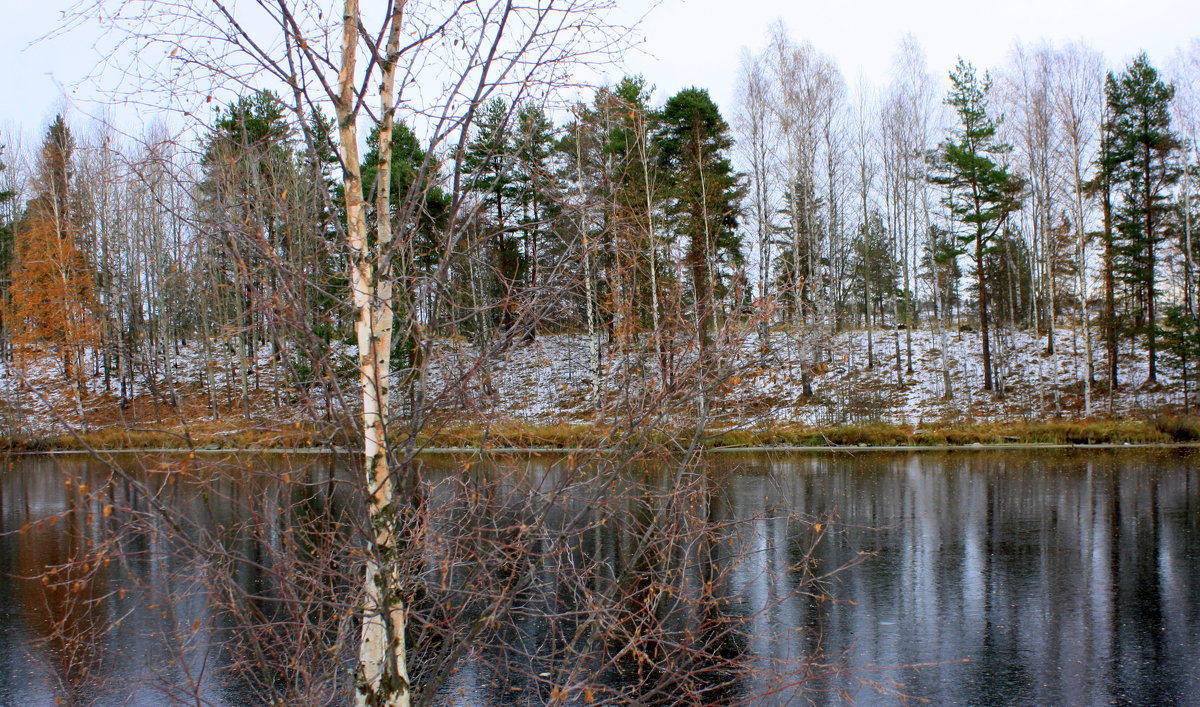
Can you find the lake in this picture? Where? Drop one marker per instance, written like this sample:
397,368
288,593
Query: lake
967,577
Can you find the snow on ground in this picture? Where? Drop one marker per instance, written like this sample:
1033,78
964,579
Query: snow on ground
182,384
549,380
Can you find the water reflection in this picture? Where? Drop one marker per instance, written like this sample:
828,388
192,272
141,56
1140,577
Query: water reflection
1023,578
964,578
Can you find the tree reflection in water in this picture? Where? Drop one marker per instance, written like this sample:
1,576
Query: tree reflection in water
570,580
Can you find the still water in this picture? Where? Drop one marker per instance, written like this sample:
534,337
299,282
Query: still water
968,577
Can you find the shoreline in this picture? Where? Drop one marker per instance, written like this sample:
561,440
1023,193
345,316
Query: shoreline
757,449
515,437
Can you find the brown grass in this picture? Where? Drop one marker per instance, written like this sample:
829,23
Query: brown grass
195,436
237,434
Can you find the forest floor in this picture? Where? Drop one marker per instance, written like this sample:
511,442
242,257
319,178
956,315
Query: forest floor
541,394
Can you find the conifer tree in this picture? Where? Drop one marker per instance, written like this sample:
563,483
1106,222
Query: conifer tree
420,218
634,196
981,191
693,144
1140,151
52,293
490,163
1180,334
536,190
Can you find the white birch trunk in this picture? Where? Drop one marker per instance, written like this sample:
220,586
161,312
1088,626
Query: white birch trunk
382,677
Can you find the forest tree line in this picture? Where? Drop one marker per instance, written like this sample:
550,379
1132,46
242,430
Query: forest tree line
1053,192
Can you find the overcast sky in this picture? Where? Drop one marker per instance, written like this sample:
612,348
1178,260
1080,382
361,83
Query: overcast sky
694,42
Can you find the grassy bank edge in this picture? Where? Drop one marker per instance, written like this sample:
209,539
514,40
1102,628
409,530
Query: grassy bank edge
513,436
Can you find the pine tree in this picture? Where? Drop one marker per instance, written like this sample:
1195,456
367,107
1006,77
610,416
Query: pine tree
693,144
981,192
490,161
419,208
536,190
249,164
634,192
1140,151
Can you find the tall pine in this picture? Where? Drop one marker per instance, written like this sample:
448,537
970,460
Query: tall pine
981,192
1139,152
693,147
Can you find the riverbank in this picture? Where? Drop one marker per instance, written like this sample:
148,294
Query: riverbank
540,395
516,438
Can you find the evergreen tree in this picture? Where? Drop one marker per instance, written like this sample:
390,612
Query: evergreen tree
536,190
1140,152
981,191
941,268
873,266
490,161
324,212
1009,273
633,183
1180,336
1102,185
801,222
419,208
693,145
609,155
249,165
874,272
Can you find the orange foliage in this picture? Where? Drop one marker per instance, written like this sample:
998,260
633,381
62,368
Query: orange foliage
52,292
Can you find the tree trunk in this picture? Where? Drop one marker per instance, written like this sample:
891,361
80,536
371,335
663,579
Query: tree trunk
382,674
1110,305
983,314
1151,342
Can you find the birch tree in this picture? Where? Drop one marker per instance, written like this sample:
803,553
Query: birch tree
430,65
758,134
1076,97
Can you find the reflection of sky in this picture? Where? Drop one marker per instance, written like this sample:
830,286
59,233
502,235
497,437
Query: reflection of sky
1021,577
1028,579
130,666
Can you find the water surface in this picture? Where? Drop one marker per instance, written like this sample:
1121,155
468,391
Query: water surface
967,577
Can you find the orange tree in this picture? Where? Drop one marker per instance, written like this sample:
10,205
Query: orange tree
52,298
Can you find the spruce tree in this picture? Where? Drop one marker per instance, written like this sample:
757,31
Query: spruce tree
1180,333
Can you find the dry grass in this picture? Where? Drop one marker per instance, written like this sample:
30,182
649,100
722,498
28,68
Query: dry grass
193,436
517,434
238,433
1159,431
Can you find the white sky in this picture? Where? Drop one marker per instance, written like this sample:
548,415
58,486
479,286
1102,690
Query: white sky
692,42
